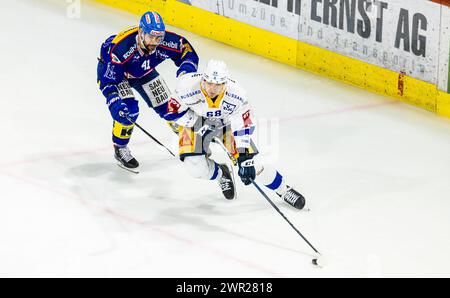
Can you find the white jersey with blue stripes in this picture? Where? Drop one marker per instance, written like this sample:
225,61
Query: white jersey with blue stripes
230,108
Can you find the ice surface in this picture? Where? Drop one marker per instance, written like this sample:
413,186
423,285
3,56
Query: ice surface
376,172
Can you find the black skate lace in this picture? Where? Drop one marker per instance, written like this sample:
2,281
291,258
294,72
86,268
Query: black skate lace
291,197
125,154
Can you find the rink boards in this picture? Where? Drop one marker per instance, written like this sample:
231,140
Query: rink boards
404,54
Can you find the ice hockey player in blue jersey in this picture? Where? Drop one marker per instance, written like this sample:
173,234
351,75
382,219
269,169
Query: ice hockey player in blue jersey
211,107
127,62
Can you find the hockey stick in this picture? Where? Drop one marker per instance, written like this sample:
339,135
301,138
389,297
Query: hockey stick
154,139
148,134
233,159
281,213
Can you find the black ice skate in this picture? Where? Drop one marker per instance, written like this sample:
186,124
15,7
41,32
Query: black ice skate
125,159
293,198
226,183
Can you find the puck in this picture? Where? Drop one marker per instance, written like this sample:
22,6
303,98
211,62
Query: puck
319,261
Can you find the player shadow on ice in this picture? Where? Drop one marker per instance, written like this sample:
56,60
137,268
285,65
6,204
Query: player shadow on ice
92,170
160,208
183,215
107,182
205,209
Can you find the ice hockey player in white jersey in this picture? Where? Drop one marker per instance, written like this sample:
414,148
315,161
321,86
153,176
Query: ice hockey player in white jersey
211,107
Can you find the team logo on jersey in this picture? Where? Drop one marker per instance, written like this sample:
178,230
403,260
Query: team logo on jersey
162,55
130,52
170,44
228,107
115,59
232,95
186,49
136,58
246,117
186,96
186,139
110,73
174,106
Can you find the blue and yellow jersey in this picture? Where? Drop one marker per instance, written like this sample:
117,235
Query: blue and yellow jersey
121,58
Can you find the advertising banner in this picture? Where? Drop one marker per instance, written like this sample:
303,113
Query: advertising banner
209,5
399,35
444,55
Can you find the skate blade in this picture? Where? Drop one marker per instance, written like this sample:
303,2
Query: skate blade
134,171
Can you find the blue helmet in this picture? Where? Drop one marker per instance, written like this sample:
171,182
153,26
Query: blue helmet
152,23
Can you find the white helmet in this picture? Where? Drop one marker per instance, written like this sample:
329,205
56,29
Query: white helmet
216,72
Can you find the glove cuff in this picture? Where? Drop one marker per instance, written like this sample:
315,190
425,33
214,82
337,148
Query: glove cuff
245,156
247,163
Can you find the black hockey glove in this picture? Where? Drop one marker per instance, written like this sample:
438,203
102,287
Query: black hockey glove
247,170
